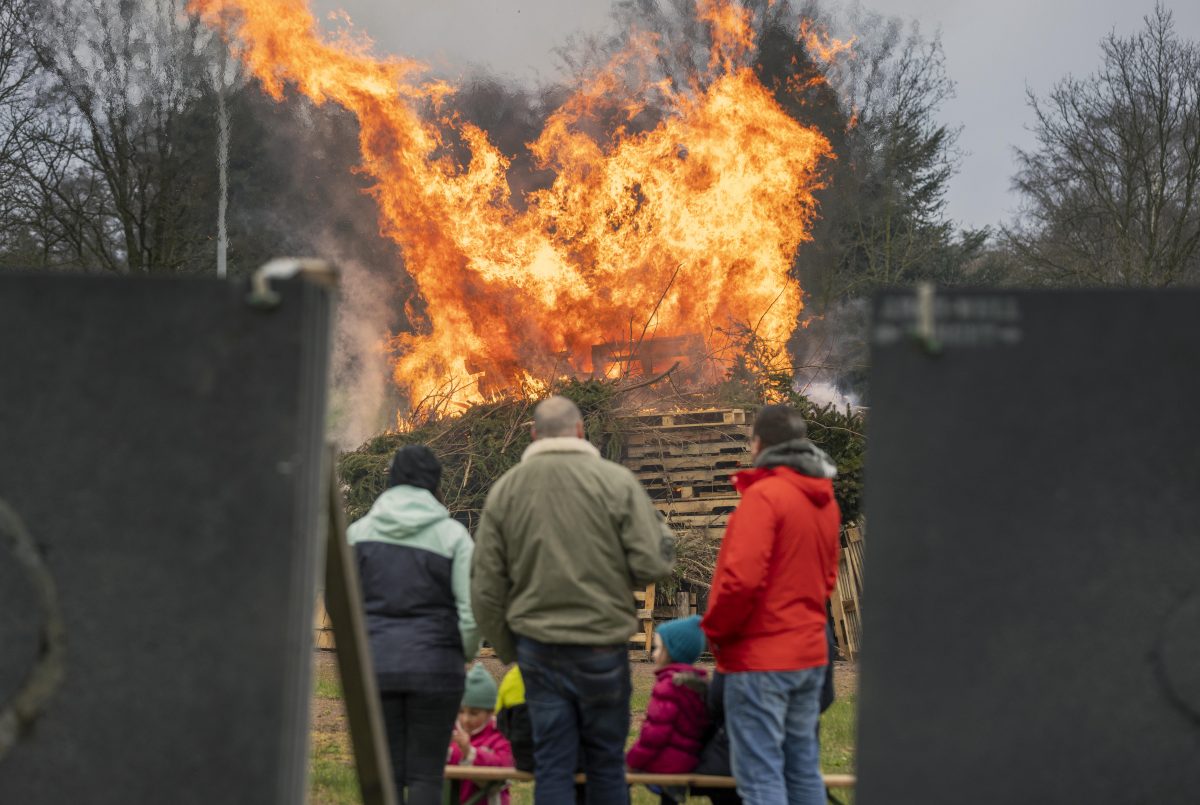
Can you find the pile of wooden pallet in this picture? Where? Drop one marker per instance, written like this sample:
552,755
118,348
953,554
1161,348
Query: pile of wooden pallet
685,460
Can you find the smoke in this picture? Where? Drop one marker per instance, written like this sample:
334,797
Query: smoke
828,394
363,399
831,354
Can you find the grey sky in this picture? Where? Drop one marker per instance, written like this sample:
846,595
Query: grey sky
993,50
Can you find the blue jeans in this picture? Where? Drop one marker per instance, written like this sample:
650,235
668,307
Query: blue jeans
578,699
772,719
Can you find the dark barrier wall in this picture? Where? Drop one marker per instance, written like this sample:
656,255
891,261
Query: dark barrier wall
161,440
1032,590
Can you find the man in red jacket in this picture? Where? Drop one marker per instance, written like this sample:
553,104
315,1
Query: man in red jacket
766,612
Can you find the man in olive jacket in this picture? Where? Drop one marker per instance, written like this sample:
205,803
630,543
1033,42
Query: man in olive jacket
564,539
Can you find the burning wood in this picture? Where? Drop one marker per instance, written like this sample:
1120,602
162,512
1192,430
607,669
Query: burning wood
623,359
679,231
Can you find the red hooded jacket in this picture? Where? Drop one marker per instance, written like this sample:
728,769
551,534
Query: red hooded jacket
775,571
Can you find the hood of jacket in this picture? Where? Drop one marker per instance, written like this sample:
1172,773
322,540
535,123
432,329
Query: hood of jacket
800,455
801,463
398,515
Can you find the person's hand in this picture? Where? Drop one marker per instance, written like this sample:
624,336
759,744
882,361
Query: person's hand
461,740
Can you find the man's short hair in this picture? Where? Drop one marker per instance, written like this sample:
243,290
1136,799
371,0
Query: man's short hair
776,424
556,416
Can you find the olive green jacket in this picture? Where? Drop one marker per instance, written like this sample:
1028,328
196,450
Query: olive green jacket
564,538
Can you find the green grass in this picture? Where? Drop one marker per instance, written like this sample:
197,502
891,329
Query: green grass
332,778
327,687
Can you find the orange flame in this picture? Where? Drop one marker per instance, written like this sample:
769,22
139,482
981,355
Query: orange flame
685,228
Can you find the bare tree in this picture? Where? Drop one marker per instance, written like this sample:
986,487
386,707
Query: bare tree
130,81
18,114
884,215
1112,191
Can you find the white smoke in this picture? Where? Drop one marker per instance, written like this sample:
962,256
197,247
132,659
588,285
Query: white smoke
822,393
831,355
362,400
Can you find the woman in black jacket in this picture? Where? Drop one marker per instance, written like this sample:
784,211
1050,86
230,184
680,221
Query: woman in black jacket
414,565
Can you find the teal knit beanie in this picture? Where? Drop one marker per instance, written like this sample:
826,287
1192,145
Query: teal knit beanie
481,689
682,639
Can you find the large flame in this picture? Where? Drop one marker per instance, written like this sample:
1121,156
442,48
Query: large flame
689,227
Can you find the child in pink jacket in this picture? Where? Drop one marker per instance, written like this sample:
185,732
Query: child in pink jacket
677,717
476,740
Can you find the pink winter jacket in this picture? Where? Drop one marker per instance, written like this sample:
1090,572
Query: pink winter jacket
676,722
491,749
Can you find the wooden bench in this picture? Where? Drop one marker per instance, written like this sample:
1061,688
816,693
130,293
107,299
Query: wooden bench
492,778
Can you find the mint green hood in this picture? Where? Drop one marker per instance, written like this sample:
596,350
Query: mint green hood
400,515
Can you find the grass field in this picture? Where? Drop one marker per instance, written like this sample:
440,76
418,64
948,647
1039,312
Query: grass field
333,780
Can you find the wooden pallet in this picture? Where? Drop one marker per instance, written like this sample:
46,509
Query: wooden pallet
704,417
846,600
660,464
644,637
721,450
667,492
690,477
692,434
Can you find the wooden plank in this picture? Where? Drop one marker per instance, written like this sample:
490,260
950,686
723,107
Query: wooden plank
702,416
713,505
698,436
673,463
664,492
839,615
486,774
690,476
715,450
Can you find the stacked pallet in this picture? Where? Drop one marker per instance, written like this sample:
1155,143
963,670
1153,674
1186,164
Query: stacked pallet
846,601
685,460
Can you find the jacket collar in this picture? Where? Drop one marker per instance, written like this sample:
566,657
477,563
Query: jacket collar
560,444
800,455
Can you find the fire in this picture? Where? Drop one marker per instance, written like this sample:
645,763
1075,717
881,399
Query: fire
689,227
